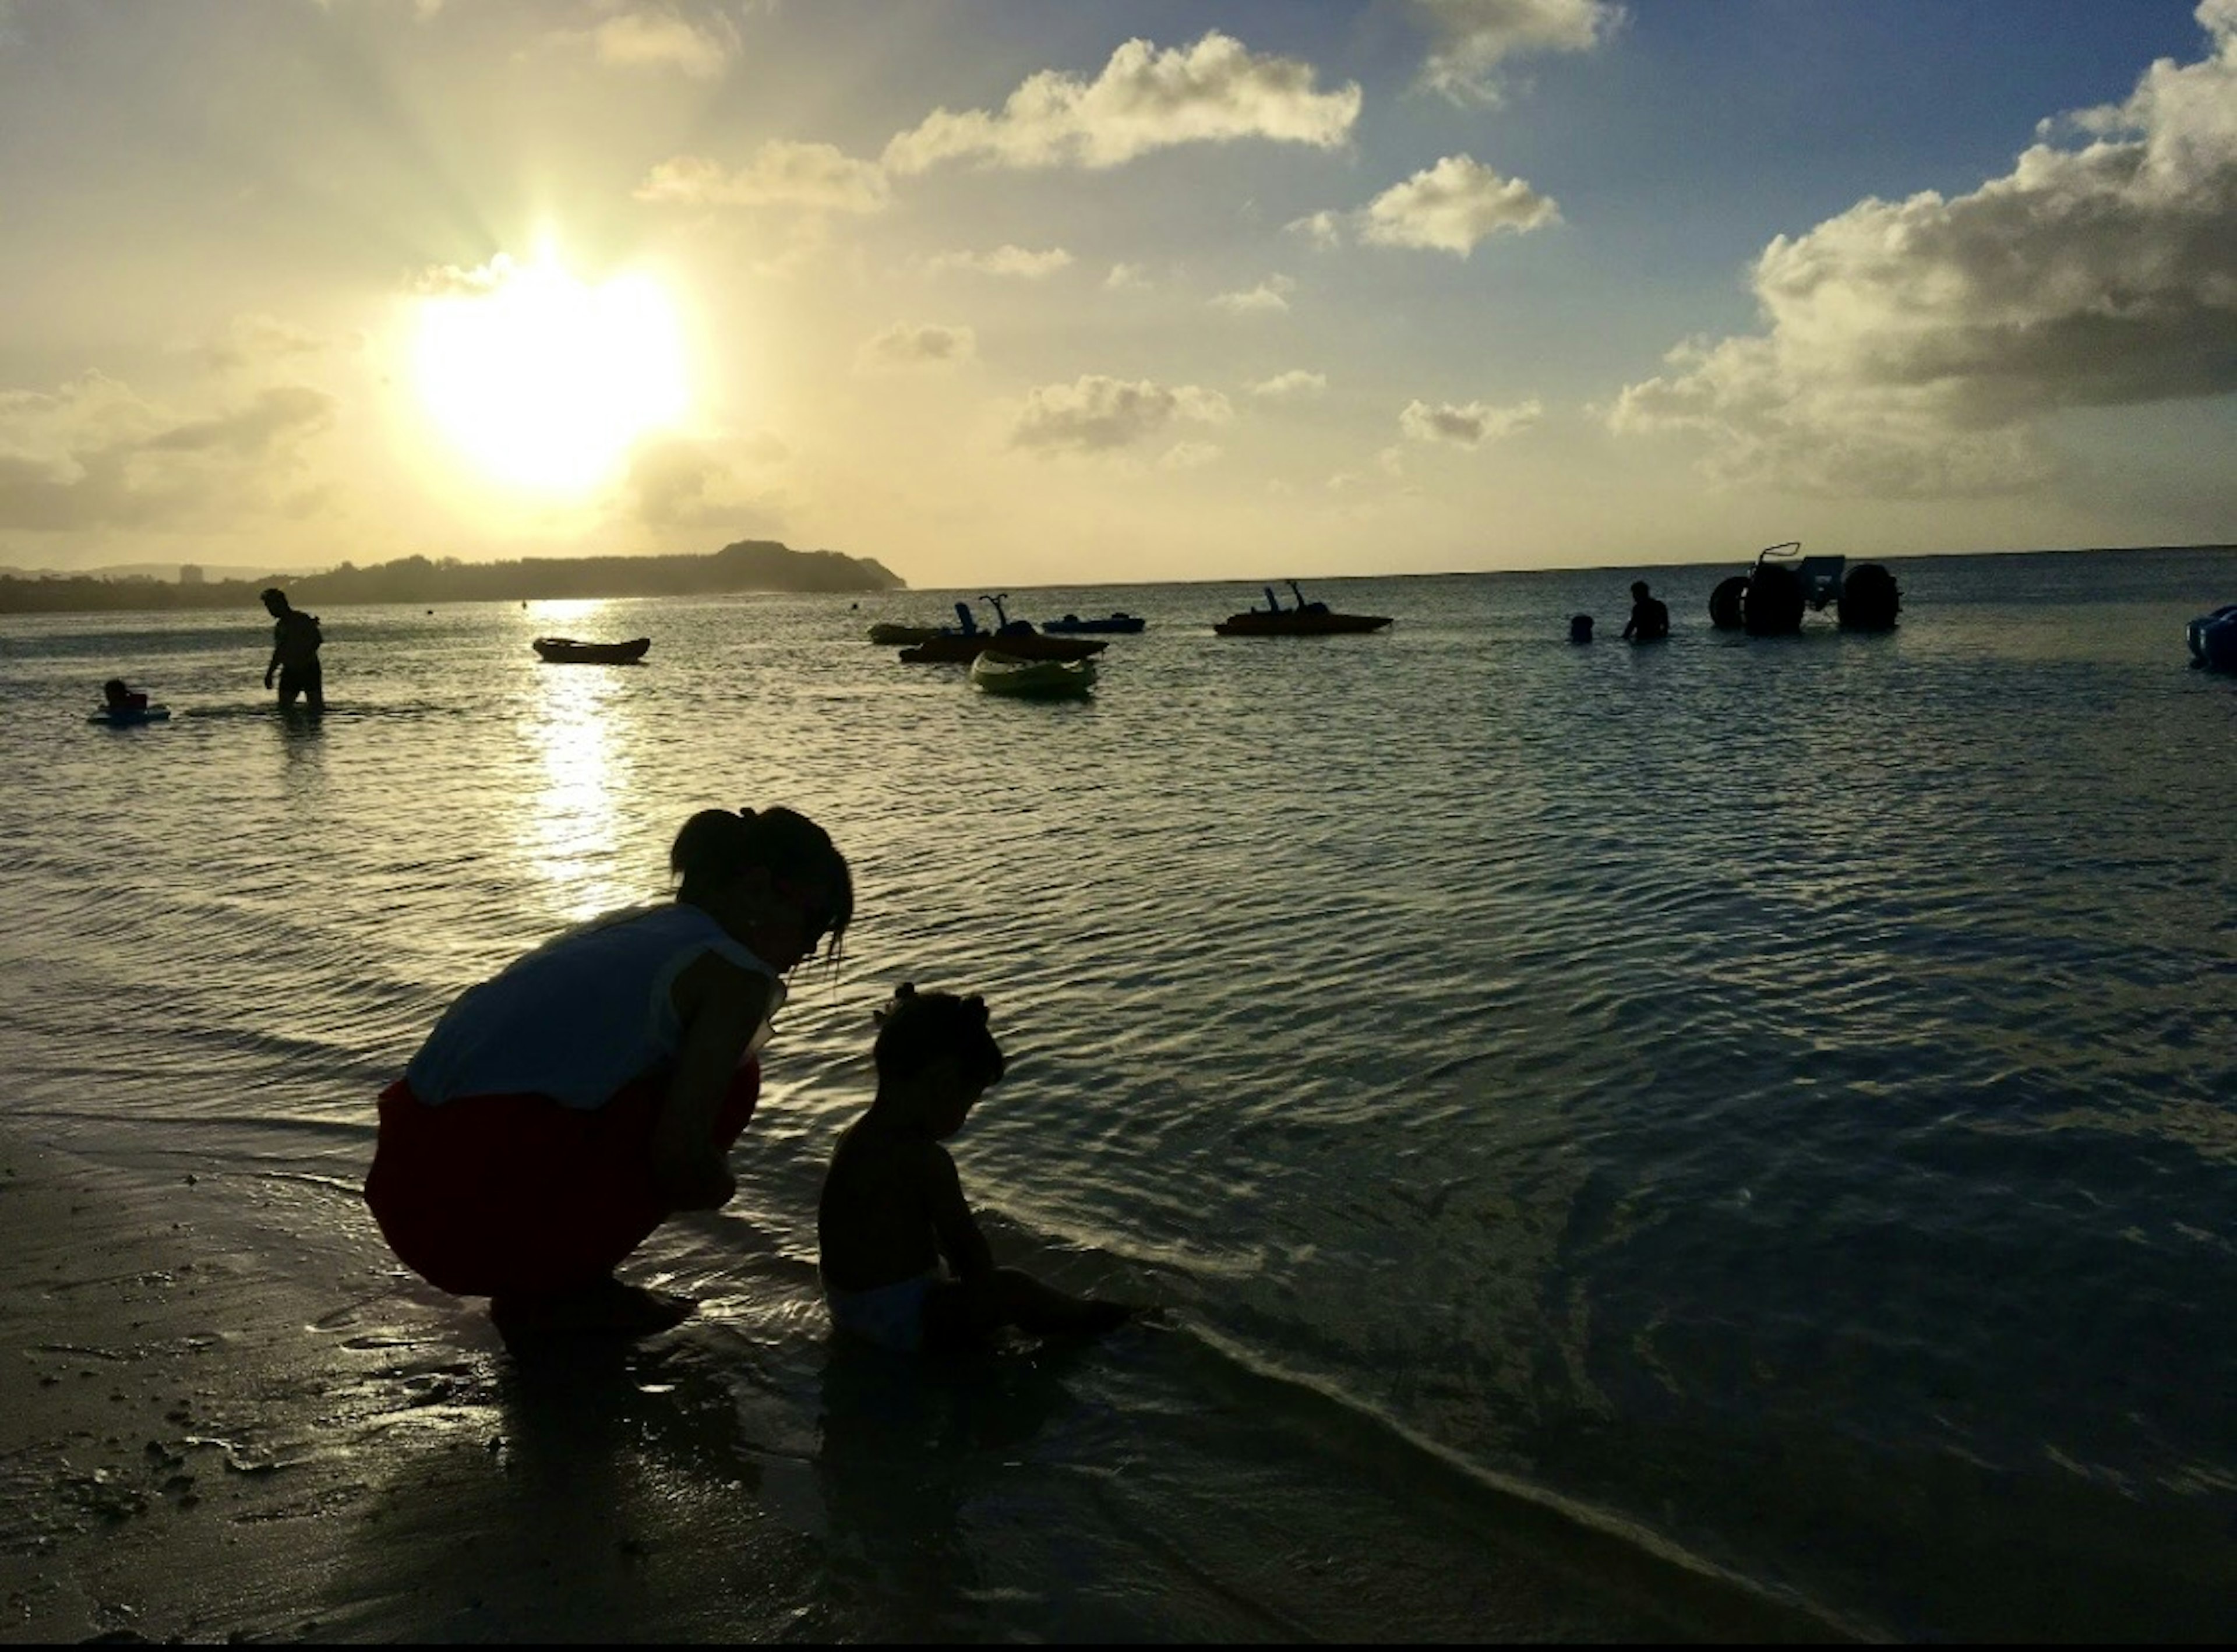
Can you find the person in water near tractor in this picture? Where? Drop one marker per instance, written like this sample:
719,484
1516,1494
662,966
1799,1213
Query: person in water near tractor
1650,619
893,1209
121,697
295,639
563,1109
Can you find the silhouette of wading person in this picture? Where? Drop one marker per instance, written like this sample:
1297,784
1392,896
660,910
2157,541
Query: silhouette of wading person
295,639
1650,619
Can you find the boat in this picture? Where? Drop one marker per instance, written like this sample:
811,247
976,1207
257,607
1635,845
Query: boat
1305,619
1032,679
951,649
885,635
1121,622
565,651
2214,640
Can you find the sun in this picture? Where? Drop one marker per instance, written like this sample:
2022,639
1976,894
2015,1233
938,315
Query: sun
542,382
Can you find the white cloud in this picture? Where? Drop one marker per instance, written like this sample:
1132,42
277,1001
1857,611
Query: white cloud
1909,348
1452,206
451,281
1188,456
902,346
1123,277
1003,260
1469,424
1296,382
661,38
96,454
249,341
781,174
705,483
1322,229
1473,37
1096,413
1144,99
1270,296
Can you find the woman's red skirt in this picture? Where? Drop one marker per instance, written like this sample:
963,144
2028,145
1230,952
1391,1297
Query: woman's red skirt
492,1194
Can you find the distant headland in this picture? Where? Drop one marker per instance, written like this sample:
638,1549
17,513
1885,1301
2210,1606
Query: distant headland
749,564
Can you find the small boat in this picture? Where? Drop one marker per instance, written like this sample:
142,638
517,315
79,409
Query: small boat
891,635
565,651
1121,622
1305,619
950,649
2214,640
1032,679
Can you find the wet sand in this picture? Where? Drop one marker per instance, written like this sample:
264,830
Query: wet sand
228,1414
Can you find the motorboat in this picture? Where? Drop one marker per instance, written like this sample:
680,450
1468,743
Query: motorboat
1120,623
566,650
2214,640
1032,679
1304,620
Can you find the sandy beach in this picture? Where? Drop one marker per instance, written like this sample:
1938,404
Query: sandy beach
227,1423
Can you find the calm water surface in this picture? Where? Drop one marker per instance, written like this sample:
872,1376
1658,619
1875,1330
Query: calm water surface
1771,1101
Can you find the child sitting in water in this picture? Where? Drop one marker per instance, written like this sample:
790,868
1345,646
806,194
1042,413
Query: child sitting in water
120,697
893,1208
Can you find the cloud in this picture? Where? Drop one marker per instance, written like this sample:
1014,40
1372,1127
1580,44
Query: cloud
901,348
1216,91
1322,229
247,341
1270,296
679,482
1910,348
96,454
1188,456
1003,260
1294,383
781,174
1125,276
661,38
1453,205
1473,37
451,281
1096,414
1470,424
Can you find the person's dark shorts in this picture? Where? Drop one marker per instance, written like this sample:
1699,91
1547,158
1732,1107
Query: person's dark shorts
305,680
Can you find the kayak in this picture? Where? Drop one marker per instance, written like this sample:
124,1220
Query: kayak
565,651
1290,623
1038,679
1122,624
950,650
888,635
126,717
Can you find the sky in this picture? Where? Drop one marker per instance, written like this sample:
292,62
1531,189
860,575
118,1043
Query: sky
1037,292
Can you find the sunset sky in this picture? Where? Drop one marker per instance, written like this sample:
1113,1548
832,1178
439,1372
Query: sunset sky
1018,291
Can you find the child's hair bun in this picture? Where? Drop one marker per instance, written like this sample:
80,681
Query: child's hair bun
902,994
977,1005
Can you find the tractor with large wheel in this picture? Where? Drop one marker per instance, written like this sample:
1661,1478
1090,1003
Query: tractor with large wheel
1769,600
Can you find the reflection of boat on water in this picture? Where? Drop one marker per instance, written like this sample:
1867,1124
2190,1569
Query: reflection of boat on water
1305,619
1032,680
1120,623
565,651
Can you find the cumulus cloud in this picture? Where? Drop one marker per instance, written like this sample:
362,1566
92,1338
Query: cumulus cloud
1473,37
660,37
1453,205
1909,348
1099,414
1469,424
96,454
1215,91
1124,276
1296,382
453,281
1188,456
901,348
1322,229
1270,296
781,174
1006,260
249,341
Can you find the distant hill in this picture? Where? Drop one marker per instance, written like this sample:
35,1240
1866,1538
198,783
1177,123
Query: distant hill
749,564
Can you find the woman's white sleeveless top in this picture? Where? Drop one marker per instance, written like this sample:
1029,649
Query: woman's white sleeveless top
581,1015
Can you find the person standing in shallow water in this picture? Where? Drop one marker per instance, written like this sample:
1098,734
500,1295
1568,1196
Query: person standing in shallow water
1650,620
566,1108
295,639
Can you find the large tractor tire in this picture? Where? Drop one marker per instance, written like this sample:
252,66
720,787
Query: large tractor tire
1870,599
1774,601
1728,603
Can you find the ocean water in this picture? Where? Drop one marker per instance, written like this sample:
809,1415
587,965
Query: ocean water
1759,1113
